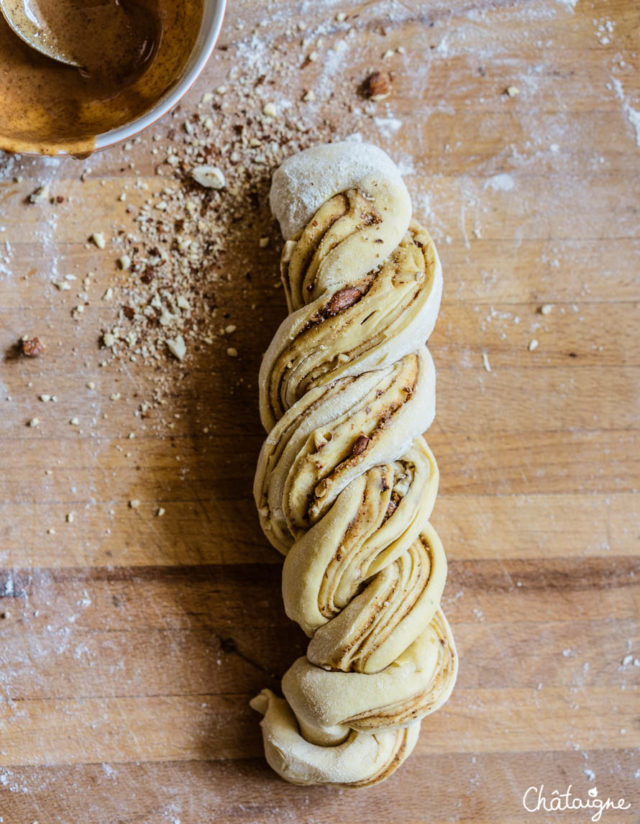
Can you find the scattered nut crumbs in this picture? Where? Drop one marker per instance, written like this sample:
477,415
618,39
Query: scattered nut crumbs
32,347
209,194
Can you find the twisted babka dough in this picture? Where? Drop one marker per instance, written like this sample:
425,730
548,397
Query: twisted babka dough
345,482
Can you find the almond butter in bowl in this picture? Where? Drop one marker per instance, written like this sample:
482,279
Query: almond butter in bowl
137,58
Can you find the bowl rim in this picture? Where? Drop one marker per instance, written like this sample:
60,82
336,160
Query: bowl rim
175,94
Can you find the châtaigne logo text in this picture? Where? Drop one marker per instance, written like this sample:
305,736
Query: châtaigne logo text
536,800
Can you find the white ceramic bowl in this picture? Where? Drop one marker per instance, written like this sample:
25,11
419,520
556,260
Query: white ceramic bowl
212,16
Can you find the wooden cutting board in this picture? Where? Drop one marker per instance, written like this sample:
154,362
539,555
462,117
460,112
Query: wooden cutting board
130,644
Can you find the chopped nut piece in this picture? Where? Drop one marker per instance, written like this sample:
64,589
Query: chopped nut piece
124,262
34,422
485,362
160,511
177,347
512,91
263,242
341,17
71,517
74,422
39,194
308,96
232,352
230,329
377,86
533,344
362,442
211,177
98,239
341,300
134,503
108,340
32,347
269,110
546,308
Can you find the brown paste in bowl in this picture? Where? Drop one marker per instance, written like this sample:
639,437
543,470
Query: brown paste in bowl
131,52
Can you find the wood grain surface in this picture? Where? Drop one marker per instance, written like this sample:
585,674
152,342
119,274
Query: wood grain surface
130,644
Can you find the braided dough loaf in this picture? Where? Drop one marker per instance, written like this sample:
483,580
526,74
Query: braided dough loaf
345,482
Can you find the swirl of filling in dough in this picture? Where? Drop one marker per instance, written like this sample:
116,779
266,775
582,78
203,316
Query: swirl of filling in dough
345,482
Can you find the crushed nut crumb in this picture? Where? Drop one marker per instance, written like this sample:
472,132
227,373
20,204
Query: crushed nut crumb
32,347
377,86
98,239
211,177
177,347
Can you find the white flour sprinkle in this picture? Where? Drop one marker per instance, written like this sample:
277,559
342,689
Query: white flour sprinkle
387,126
633,115
500,183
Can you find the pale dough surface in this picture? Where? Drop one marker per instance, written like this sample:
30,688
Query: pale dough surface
345,482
